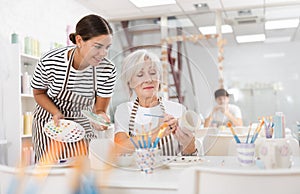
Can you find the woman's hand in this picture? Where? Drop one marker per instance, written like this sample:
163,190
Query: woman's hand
171,121
101,127
167,125
185,137
58,115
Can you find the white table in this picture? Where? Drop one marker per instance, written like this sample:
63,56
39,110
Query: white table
223,175
161,181
213,174
210,175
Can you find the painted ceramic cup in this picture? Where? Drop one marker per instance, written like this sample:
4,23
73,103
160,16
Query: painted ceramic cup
276,153
147,159
246,154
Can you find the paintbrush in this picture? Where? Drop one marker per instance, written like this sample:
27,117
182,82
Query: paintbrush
233,133
162,128
151,115
249,130
257,131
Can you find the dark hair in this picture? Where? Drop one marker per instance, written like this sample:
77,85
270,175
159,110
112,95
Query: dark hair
91,26
221,92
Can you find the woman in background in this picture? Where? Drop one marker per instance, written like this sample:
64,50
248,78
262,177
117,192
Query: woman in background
70,79
141,73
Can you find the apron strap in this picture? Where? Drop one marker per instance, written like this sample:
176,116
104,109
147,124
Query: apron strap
134,112
65,84
95,82
166,143
68,70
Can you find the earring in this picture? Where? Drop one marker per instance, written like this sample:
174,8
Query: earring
79,46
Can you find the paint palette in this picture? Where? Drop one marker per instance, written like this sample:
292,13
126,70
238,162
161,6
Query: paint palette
179,161
67,131
95,118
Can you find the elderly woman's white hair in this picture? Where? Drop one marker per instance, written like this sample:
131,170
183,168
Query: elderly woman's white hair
134,62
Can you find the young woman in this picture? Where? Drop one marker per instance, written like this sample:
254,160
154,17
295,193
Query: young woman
70,79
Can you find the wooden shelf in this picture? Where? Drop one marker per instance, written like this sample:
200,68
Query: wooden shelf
29,59
26,136
27,96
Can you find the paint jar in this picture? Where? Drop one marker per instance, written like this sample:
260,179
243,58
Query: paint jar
14,38
27,123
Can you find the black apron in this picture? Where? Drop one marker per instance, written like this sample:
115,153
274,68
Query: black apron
70,104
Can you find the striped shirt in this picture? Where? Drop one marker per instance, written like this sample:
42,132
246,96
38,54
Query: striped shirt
51,70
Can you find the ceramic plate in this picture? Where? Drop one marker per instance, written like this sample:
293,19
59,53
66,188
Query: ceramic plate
67,131
95,118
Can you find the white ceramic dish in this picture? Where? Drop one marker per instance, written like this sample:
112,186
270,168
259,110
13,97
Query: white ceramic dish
66,131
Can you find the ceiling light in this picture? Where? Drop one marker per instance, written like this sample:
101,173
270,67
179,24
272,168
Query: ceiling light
181,22
213,30
200,5
251,38
281,24
246,12
149,3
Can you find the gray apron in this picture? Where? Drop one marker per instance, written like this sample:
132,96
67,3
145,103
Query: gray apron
70,104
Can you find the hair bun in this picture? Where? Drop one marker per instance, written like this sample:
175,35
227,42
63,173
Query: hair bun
72,37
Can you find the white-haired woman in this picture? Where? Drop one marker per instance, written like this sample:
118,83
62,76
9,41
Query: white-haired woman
141,74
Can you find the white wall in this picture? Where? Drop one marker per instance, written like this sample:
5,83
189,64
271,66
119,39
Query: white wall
260,66
40,19
253,63
246,66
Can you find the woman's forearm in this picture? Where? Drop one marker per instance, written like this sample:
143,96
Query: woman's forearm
235,121
101,105
207,121
44,101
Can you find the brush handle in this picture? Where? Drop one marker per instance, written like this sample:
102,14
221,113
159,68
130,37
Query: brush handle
156,142
149,142
247,138
144,141
140,144
150,115
134,144
254,138
237,139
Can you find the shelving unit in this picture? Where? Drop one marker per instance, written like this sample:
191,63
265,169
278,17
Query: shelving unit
16,104
28,64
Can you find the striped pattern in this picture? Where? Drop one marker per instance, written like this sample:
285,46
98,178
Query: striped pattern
245,154
167,144
51,71
70,104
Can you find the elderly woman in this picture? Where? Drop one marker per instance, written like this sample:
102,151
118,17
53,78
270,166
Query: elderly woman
141,74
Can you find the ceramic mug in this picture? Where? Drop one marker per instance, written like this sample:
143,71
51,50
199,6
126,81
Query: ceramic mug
190,120
276,153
